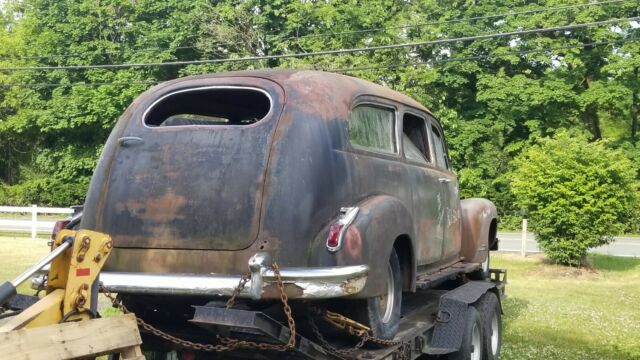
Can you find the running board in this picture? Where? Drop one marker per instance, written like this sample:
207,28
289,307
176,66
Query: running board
432,280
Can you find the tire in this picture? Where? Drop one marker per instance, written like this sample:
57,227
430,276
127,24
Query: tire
472,340
489,308
382,314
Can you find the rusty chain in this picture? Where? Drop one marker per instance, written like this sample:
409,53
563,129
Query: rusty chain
365,338
244,279
229,344
226,344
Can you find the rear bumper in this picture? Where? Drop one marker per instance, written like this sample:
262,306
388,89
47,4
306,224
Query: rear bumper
299,283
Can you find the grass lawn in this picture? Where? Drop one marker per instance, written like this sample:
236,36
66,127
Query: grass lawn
554,312
17,254
551,312
27,216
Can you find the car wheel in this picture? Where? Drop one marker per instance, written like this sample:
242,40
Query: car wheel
489,308
382,313
472,340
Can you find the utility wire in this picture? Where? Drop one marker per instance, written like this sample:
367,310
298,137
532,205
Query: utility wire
452,21
488,56
348,70
283,38
122,83
106,52
326,52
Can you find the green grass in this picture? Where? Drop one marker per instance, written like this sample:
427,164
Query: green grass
22,234
27,216
17,254
555,312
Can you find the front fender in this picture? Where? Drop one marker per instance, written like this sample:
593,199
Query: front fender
368,241
477,217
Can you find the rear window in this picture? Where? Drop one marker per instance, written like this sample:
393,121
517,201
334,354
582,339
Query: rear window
372,128
211,106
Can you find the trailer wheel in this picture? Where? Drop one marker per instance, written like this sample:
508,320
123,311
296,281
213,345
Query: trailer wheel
382,314
490,312
472,340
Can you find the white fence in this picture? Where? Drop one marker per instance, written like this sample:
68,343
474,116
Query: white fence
30,225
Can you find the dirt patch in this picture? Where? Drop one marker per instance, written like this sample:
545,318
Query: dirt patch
561,271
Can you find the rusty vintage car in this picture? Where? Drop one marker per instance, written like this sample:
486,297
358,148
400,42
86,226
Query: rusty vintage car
346,184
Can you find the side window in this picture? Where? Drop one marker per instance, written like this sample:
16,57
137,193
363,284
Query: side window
414,139
440,152
373,128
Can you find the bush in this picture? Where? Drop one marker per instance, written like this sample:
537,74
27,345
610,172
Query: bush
578,194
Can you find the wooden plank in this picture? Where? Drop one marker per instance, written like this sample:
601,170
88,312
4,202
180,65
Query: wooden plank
43,305
132,353
72,339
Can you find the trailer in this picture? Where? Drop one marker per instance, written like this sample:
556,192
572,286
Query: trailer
448,317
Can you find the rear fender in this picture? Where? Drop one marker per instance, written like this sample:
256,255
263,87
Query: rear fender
369,240
477,216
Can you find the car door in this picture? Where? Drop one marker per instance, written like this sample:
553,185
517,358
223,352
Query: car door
450,197
428,206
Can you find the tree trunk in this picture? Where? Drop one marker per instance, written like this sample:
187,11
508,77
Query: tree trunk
635,108
590,114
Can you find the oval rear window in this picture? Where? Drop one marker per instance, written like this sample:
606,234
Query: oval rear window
210,106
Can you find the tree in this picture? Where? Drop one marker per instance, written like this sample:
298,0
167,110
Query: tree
494,102
579,194
51,136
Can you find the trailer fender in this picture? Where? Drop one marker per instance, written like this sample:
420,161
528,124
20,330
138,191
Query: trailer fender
452,312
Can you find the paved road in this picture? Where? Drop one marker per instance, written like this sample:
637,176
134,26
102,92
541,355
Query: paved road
623,246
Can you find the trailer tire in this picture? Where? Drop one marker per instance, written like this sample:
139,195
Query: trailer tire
489,308
383,321
472,339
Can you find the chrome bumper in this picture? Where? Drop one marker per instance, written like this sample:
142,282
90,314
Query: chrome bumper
299,283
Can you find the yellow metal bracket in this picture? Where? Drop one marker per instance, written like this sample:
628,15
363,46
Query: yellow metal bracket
70,278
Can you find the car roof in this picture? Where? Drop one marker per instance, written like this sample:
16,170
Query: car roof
310,81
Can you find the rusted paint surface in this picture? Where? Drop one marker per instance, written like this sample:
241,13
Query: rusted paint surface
205,199
477,215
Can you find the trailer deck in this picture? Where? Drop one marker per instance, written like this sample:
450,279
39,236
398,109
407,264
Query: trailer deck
422,314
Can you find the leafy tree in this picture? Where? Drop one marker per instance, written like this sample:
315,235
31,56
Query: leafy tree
494,103
579,194
52,135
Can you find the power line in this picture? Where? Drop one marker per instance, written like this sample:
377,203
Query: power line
347,70
452,21
280,39
121,83
107,52
488,56
329,34
326,52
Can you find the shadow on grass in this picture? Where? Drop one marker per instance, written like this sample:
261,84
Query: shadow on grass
614,263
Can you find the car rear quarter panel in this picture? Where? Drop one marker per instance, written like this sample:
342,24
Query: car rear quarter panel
369,240
477,216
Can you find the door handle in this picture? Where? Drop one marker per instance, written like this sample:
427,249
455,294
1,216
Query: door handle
444,180
129,140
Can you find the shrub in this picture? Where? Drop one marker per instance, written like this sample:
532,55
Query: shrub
578,193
